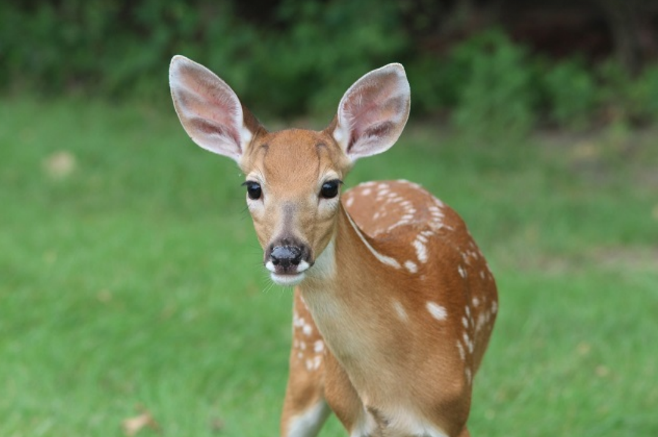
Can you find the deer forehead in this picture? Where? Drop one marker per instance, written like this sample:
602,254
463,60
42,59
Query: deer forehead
293,162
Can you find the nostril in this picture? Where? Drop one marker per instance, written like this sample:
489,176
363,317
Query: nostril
285,256
296,256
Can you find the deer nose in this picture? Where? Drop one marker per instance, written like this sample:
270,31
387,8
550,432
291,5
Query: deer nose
285,256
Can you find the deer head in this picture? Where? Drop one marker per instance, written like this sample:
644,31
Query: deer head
294,176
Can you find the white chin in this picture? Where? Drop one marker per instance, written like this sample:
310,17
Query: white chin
287,280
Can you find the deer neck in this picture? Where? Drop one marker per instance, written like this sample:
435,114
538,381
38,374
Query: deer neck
347,293
347,264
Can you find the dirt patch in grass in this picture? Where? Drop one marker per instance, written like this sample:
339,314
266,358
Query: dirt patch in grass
627,258
610,258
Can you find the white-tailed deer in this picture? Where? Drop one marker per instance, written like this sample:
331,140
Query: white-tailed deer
394,304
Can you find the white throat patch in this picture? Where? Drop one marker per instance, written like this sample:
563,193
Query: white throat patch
325,264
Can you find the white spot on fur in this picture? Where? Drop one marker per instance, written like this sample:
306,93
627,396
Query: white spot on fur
411,266
421,251
313,363
302,345
482,319
318,347
366,192
465,322
399,309
467,371
349,201
494,307
437,311
462,271
468,342
308,330
462,354
476,302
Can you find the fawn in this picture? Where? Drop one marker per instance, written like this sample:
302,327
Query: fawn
393,303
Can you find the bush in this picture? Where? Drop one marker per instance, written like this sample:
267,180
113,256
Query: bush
644,94
496,94
326,48
292,57
571,94
302,60
628,99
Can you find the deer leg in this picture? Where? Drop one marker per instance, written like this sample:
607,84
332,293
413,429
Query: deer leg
305,409
303,419
345,401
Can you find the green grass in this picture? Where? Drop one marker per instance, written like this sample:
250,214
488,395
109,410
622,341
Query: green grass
134,280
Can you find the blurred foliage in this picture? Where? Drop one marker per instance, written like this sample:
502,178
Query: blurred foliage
627,98
292,57
496,95
308,53
571,93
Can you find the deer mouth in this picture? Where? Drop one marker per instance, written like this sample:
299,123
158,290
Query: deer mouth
287,275
287,280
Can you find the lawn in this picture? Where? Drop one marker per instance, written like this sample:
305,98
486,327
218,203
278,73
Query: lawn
131,282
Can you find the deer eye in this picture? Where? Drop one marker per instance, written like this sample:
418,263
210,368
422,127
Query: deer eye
330,189
253,190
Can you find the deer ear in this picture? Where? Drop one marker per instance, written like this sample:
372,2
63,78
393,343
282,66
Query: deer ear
209,109
373,112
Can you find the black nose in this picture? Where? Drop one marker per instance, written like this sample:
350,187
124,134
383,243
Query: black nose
284,256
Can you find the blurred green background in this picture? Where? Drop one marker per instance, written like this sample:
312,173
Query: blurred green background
560,63
132,296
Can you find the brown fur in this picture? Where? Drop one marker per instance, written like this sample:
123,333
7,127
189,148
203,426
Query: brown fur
414,360
395,303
